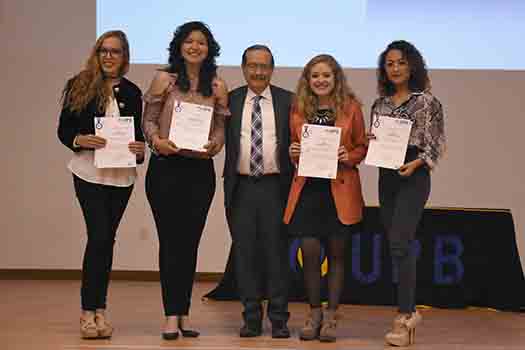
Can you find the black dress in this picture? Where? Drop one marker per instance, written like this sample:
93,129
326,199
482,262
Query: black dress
315,214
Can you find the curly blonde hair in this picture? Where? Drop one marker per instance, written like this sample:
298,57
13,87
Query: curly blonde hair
307,102
90,82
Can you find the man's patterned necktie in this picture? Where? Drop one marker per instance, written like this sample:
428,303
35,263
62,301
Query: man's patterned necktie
256,152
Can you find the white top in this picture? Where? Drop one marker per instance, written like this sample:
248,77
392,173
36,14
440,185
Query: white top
269,133
82,163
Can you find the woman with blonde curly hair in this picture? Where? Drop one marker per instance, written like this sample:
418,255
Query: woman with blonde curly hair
325,210
100,90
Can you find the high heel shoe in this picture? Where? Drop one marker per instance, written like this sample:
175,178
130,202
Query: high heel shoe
88,327
403,332
186,333
170,335
104,328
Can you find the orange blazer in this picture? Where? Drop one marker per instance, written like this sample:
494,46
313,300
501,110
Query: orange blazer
346,187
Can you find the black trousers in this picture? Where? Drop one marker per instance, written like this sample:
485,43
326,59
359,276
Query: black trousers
103,207
402,200
257,230
180,191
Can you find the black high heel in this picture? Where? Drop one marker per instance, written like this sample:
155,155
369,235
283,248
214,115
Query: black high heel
170,335
187,333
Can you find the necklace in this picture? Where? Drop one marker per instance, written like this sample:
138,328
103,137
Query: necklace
324,116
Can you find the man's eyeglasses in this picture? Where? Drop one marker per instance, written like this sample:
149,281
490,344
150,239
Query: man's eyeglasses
262,66
104,52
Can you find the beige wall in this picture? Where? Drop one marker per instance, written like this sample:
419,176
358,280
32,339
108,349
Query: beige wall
47,42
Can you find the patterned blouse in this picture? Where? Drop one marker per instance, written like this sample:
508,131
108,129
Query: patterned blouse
428,128
158,111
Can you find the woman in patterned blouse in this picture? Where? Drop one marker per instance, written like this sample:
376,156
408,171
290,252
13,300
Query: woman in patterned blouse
404,89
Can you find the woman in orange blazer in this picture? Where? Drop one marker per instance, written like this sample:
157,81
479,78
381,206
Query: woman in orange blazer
324,210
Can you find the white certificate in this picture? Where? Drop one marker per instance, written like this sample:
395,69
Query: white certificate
389,148
319,147
190,125
118,132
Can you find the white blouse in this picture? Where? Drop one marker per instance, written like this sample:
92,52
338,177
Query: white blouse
82,163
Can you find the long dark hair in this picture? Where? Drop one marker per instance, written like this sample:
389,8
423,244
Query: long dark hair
418,81
208,69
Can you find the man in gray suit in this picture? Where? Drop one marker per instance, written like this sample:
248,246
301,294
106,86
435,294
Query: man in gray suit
257,176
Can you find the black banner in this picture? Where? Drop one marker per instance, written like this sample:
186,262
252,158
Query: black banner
465,258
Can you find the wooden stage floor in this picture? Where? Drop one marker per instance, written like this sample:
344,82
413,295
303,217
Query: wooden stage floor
44,315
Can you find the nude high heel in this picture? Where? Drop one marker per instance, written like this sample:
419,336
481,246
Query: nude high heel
88,327
403,332
104,328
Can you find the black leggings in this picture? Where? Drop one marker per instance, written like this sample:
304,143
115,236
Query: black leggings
335,251
102,207
179,191
402,200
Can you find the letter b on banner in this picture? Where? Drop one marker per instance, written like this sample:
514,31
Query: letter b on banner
448,267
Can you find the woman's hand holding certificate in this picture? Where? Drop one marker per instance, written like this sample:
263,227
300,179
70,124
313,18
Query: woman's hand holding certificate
138,148
90,141
388,148
164,146
190,125
212,147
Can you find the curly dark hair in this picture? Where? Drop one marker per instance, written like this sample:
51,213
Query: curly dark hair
418,81
176,62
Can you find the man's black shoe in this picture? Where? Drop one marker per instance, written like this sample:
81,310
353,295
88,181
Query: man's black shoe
280,330
250,331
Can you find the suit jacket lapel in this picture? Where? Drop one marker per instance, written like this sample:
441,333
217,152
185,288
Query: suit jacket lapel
237,110
278,113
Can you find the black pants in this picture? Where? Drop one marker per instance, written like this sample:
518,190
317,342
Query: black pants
260,247
402,200
102,207
179,191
